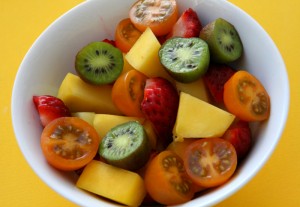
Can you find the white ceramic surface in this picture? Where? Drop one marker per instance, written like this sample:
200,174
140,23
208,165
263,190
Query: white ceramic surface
52,56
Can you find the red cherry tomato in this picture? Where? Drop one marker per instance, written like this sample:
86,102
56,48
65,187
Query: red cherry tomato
210,162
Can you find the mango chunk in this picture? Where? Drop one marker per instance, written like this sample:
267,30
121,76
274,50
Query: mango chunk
104,122
86,116
81,96
196,89
143,56
199,119
114,183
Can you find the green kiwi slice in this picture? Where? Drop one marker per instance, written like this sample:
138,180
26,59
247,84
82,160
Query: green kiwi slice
185,59
99,63
223,40
126,146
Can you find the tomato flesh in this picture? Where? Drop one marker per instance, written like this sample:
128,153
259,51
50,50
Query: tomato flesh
128,93
69,143
126,35
245,97
159,15
210,162
166,180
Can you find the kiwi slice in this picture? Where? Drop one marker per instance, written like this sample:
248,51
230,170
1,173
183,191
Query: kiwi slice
223,40
126,146
99,63
185,59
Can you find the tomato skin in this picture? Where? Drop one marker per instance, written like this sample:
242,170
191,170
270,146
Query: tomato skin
128,93
126,35
210,162
245,97
55,142
166,180
160,17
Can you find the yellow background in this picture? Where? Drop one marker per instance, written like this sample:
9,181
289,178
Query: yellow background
21,22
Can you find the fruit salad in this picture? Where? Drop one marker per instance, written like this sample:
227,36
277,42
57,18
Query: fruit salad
156,114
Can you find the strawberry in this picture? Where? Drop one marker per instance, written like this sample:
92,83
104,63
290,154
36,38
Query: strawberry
239,135
112,42
215,78
188,25
160,105
50,108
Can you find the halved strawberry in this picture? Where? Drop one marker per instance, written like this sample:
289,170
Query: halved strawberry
188,25
239,135
160,105
50,108
215,78
112,42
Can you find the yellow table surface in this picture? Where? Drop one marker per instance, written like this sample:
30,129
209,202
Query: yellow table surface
21,22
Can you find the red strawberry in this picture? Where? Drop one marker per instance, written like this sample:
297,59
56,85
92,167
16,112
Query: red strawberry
215,78
239,135
188,25
112,42
50,108
160,105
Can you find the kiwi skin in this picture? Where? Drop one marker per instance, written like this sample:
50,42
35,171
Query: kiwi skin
135,159
98,54
211,34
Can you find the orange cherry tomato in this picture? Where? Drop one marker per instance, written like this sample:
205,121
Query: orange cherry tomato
128,93
210,162
159,15
245,97
126,35
69,143
166,180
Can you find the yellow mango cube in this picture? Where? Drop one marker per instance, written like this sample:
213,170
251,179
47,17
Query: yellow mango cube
81,96
196,89
199,119
114,183
143,56
86,116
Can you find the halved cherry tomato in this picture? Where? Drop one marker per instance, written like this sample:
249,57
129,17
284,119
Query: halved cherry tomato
245,97
69,143
210,162
128,93
126,35
166,180
159,15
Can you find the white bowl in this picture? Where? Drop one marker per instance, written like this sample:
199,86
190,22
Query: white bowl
52,56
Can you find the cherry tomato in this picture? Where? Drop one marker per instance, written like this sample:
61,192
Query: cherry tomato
69,143
159,15
210,162
126,35
166,180
245,97
128,93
